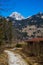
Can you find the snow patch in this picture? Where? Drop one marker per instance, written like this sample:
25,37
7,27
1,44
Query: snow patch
16,16
42,17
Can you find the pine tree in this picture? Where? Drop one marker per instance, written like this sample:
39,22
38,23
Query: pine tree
10,31
1,30
1,34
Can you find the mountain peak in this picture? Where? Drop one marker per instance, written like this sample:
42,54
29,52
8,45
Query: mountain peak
16,16
40,13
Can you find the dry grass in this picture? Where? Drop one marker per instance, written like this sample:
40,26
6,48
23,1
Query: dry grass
3,59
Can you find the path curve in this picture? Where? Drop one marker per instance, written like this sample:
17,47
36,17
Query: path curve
15,59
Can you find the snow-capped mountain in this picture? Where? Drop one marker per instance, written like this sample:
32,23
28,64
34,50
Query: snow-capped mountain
16,16
26,28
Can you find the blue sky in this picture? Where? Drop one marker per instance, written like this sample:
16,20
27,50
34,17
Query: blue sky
25,7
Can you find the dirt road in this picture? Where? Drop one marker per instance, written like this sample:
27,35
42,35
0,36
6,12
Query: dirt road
15,59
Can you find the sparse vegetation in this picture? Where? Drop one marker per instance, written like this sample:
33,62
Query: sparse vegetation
3,59
18,45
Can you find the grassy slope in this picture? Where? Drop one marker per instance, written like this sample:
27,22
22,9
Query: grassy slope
3,59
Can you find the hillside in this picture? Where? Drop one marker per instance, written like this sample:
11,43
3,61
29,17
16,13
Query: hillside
23,29
29,27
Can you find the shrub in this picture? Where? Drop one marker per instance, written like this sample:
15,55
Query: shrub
18,45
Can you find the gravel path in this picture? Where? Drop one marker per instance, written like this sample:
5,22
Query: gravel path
15,59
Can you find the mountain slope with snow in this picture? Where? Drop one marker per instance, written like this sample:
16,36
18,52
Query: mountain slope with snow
16,16
30,27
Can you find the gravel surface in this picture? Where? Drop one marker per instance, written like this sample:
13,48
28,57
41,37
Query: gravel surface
15,59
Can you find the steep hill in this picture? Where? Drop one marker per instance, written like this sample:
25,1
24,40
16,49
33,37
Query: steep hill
28,27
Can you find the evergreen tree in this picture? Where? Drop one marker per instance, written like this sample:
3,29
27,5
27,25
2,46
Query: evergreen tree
10,31
1,30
